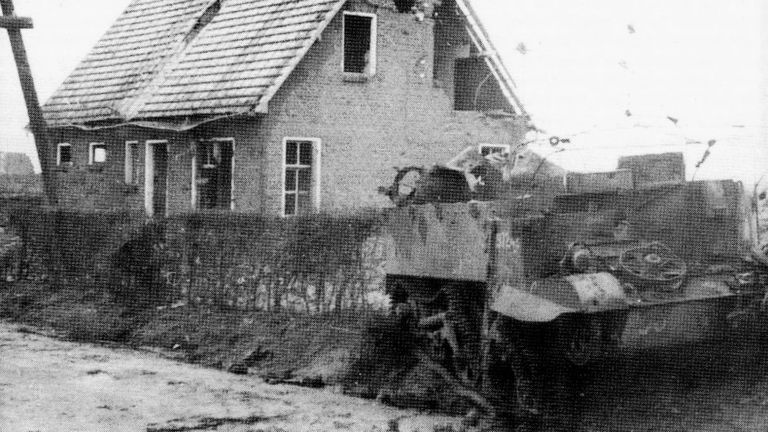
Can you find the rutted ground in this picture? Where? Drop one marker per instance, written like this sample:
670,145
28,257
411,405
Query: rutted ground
47,384
53,385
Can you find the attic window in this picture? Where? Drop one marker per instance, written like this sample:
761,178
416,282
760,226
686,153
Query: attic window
359,43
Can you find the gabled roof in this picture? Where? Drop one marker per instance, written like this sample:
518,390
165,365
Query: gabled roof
176,59
481,40
162,59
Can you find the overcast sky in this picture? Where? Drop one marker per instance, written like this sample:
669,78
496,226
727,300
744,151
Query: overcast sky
579,66
64,32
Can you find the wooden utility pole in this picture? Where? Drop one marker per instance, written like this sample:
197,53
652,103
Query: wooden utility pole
14,25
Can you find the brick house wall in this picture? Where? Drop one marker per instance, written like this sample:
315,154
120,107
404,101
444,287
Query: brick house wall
101,187
400,116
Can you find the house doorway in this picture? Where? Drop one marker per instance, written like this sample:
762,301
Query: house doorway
213,184
156,179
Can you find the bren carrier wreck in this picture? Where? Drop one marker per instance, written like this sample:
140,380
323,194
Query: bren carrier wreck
512,267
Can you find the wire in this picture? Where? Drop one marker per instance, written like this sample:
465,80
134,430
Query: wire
477,90
541,164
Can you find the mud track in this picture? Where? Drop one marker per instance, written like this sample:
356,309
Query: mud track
47,384
52,385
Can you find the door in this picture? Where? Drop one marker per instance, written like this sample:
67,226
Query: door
212,188
212,170
224,177
156,179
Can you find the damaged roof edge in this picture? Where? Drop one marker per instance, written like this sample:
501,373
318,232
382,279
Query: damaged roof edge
477,33
495,64
161,125
129,110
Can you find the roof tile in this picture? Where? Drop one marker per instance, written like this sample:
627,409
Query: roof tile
144,67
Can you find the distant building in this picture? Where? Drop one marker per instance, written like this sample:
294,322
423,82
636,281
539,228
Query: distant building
274,106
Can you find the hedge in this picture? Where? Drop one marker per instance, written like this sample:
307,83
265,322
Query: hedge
312,263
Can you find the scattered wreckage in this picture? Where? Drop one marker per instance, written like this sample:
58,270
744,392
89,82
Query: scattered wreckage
509,263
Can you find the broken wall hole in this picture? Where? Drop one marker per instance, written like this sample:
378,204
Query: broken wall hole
475,87
404,6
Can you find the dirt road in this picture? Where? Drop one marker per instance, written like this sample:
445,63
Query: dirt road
48,384
52,385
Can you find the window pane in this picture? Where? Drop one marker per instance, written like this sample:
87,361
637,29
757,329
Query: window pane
305,179
65,154
206,152
99,154
129,149
211,154
133,151
290,204
135,161
305,153
304,204
290,152
290,180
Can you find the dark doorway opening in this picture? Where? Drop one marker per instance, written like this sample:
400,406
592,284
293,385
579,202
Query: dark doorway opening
160,179
214,182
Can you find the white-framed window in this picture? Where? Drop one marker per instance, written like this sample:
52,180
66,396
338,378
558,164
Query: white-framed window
63,154
359,43
502,149
301,175
97,153
131,162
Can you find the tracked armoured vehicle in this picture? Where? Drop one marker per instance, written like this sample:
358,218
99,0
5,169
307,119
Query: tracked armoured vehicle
509,274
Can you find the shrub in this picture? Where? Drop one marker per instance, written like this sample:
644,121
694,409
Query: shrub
135,270
224,260
312,263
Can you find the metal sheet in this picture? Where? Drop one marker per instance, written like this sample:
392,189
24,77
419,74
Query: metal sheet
524,306
674,324
546,299
446,241
598,291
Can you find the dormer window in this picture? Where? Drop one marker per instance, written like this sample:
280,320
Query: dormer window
359,43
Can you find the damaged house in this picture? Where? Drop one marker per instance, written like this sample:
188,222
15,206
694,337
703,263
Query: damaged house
278,107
